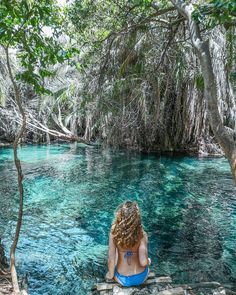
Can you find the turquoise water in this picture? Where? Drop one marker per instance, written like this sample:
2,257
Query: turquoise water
188,208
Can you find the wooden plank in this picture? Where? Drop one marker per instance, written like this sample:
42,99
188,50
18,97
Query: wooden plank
151,275
105,286
205,285
158,280
149,281
173,291
110,281
229,292
163,280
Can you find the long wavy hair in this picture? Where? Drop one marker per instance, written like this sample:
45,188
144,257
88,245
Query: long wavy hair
127,227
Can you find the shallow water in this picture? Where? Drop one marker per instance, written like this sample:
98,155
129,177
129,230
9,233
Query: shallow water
188,207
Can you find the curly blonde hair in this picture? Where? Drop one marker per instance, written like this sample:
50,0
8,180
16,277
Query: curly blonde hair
127,227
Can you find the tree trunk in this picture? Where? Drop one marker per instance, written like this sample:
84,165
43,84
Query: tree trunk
224,135
74,119
48,140
20,178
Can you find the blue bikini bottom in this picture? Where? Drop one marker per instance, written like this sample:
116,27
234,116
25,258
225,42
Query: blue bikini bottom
133,280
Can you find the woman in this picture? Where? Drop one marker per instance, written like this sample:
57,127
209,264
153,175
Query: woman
128,255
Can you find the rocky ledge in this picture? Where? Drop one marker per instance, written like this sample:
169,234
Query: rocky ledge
161,286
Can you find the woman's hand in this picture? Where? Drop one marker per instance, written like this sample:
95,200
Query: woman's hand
108,276
149,261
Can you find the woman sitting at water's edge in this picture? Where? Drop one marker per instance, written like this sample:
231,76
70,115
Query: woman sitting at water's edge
128,255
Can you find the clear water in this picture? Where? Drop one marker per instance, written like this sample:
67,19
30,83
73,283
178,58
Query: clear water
188,207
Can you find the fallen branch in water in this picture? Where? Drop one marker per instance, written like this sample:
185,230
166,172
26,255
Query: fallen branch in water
32,123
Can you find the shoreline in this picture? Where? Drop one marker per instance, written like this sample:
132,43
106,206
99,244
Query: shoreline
171,153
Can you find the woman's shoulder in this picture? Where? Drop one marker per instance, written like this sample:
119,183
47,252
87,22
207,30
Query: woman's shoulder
111,235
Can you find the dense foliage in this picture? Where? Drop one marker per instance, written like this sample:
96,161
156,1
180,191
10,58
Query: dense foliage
23,27
134,79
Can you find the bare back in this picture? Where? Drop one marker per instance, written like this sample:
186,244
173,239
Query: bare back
133,260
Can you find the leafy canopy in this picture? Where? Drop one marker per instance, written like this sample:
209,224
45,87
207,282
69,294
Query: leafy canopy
33,29
215,12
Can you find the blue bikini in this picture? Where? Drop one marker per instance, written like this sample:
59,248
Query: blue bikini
133,280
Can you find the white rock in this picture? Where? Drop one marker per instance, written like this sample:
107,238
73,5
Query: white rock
219,291
124,291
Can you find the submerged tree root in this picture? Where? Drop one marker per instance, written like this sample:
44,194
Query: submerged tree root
6,287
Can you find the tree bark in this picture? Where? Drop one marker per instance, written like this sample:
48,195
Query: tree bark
74,119
224,135
20,178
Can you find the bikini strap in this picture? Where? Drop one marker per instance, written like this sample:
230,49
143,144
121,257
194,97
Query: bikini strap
134,252
128,254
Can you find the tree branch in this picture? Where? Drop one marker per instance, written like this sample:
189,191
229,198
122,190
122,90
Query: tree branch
20,177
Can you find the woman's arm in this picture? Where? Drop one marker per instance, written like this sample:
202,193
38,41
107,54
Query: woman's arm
143,251
111,258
